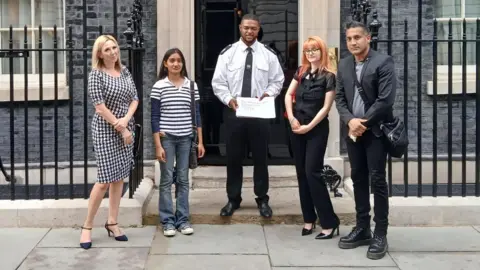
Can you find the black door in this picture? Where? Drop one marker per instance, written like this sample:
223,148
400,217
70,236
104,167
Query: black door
216,23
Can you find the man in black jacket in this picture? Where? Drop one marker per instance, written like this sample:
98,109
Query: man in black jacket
366,88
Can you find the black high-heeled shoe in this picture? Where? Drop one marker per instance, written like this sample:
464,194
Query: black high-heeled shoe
86,245
322,236
307,231
118,238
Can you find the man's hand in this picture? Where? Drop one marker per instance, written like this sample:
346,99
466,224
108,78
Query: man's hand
356,126
264,95
352,137
233,104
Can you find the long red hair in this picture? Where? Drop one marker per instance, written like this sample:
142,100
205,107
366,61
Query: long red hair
325,63
317,43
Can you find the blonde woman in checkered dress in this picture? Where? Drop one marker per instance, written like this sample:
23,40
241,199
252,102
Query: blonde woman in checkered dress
114,96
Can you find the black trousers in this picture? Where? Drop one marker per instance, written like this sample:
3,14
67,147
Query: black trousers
255,132
368,158
309,152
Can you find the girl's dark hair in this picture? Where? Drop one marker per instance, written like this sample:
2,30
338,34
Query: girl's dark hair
164,71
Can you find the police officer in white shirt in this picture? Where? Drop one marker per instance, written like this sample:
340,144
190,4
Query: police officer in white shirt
247,68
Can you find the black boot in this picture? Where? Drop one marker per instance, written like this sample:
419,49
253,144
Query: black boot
228,209
357,237
377,248
264,208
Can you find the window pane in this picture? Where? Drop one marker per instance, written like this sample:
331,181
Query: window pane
16,13
457,47
472,8
48,13
448,8
48,56
18,63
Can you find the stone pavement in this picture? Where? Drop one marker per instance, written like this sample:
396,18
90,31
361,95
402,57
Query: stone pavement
236,247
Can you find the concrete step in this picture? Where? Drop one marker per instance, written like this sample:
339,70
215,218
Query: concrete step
205,205
215,177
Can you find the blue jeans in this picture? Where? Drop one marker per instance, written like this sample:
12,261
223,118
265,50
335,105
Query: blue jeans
177,149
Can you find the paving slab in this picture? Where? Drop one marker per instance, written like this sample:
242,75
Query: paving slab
443,261
208,262
336,268
433,239
70,237
213,239
19,243
288,248
477,228
92,259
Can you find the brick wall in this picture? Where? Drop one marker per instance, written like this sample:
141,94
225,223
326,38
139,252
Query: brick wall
409,10
99,12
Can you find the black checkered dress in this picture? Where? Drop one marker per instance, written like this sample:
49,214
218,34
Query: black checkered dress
114,158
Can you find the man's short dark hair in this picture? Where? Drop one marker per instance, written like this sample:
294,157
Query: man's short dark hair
251,17
357,24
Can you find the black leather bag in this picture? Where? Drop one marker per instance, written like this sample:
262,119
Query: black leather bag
193,158
395,131
397,137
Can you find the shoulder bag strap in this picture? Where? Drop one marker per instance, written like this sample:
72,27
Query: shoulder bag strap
193,105
360,87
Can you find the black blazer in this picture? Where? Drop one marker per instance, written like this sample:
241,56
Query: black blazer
379,84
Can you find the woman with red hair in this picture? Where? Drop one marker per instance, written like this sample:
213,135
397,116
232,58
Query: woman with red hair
313,88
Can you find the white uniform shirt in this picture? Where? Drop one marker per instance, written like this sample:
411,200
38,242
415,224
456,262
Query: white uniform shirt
267,74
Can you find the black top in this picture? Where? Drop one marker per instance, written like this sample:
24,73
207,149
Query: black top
310,94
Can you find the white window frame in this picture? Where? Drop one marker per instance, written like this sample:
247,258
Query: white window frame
48,85
457,73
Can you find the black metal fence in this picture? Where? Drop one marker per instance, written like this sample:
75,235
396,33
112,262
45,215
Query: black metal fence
442,116
66,116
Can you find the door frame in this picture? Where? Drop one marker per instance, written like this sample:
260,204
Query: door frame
243,6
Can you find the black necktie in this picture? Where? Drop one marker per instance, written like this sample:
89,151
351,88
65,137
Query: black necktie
247,75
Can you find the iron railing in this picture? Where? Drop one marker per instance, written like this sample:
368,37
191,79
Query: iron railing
443,124
49,137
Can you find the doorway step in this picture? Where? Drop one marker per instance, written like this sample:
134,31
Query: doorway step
208,196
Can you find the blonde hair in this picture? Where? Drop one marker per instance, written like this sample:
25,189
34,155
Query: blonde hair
97,62
318,43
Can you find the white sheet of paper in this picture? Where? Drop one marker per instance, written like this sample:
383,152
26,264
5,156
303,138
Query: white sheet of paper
253,107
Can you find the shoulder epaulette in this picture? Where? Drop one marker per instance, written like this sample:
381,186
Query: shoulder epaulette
270,49
226,49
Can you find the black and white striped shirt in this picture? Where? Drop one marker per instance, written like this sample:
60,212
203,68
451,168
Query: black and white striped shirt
172,105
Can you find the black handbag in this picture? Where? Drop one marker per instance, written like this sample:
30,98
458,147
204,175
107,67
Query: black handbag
397,137
193,158
395,131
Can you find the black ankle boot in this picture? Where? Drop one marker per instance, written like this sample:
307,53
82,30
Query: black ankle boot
377,248
357,237
228,209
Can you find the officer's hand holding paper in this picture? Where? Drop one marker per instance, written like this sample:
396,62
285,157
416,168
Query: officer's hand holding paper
254,107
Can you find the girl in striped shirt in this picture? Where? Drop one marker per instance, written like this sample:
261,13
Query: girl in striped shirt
172,134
